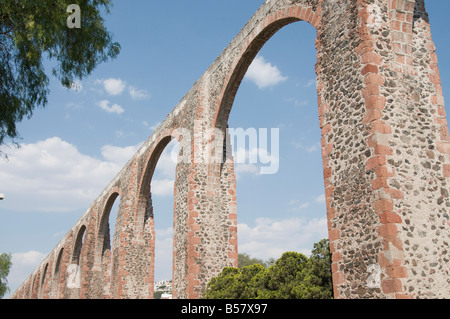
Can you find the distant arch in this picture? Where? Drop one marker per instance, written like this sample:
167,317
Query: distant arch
57,274
104,236
76,255
144,195
43,279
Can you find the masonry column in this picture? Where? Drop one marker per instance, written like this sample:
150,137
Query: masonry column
205,206
385,149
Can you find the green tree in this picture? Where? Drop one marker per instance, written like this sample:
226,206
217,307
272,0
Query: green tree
33,30
244,259
292,276
5,265
321,270
225,285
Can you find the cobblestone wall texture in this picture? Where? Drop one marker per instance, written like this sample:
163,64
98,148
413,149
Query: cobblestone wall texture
386,166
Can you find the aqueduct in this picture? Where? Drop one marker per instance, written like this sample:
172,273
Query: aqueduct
386,167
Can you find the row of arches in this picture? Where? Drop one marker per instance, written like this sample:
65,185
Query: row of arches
60,274
364,230
69,264
85,262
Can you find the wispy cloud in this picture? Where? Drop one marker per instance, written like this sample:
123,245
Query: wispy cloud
23,264
137,94
297,205
310,83
296,102
151,127
119,155
264,74
269,238
320,198
115,108
308,148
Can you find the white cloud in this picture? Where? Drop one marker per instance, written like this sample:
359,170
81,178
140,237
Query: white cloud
241,169
264,74
151,127
137,94
23,264
115,108
163,253
119,155
113,86
254,161
269,238
164,178
310,83
53,176
297,205
31,258
168,161
162,187
320,199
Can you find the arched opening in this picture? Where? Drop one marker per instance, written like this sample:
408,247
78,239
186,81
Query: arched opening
76,255
57,274
273,91
107,227
73,281
42,285
157,197
104,250
33,282
162,193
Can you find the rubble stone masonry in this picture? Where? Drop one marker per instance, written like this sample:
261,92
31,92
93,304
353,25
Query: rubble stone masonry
386,166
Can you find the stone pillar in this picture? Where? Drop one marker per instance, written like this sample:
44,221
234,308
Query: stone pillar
385,151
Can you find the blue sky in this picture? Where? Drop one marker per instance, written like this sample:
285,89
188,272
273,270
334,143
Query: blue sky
77,144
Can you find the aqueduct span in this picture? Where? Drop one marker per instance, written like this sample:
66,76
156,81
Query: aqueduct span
386,166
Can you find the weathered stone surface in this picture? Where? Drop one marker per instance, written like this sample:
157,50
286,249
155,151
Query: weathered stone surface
386,160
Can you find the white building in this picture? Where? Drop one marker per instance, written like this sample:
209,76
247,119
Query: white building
165,288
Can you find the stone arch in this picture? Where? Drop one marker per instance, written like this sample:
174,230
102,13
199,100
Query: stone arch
382,143
58,277
263,30
42,288
103,262
78,246
145,224
144,197
104,237
266,28
35,286
30,284
75,265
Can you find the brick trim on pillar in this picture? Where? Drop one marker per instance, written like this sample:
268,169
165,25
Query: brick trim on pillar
437,100
401,16
391,256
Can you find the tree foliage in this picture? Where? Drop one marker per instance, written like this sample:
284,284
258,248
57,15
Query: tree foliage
244,259
31,31
292,276
5,265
